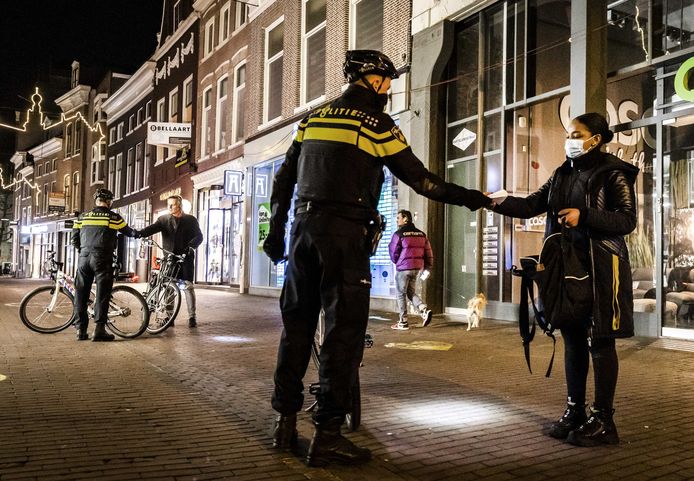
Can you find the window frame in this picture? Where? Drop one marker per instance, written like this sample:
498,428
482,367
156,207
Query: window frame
352,41
208,41
187,103
224,13
237,91
266,70
220,103
75,187
117,188
68,140
305,36
204,153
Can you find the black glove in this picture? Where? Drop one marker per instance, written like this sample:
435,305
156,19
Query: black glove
190,251
274,245
474,199
137,234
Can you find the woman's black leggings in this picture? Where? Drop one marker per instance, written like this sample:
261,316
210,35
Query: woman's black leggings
605,367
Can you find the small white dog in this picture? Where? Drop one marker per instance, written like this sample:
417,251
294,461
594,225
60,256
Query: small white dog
475,306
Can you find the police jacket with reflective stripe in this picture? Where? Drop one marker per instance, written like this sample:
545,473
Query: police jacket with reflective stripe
97,230
338,155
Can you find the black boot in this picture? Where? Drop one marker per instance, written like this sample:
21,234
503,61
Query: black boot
100,334
82,334
598,429
573,418
328,445
284,434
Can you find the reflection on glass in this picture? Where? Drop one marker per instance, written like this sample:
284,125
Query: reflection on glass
678,213
463,89
627,34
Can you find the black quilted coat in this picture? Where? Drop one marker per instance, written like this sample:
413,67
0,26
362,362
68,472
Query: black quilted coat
602,187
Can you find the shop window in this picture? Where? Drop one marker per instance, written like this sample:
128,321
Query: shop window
627,33
313,55
366,32
274,54
494,59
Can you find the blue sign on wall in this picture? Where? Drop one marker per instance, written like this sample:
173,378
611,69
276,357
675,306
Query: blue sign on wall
233,182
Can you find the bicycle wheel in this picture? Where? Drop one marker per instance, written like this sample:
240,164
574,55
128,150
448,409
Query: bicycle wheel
353,418
128,314
164,306
39,313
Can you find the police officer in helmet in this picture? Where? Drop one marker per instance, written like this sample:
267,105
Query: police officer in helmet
336,164
94,236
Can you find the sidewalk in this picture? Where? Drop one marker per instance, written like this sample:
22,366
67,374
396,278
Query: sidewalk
194,404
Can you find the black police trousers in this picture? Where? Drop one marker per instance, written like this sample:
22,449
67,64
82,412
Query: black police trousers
328,267
93,266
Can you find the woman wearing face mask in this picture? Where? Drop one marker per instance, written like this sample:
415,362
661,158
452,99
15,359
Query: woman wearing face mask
592,193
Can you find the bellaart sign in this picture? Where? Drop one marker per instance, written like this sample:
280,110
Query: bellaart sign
168,133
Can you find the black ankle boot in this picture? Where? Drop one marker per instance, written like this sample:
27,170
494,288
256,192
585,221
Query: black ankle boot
328,445
573,418
100,334
598,429
284,434
82,334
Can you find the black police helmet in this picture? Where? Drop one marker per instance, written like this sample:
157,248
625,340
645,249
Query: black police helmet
363,62
103,194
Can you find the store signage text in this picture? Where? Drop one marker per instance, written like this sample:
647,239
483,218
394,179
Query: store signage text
176,60
168,133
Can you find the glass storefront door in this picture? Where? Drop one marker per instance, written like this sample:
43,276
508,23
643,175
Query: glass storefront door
677,147
219,257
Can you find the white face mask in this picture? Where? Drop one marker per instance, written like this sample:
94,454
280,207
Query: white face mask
574,148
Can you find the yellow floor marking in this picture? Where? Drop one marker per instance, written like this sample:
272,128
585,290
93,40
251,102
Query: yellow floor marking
421,345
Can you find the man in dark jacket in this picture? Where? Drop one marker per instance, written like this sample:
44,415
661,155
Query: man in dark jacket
181,235
410,251
336,165
94,236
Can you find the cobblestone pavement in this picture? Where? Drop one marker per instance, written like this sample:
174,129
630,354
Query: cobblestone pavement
194,404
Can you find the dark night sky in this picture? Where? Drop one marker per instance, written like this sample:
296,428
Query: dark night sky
41,36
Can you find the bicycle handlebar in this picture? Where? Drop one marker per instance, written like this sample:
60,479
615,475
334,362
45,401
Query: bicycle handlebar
168,252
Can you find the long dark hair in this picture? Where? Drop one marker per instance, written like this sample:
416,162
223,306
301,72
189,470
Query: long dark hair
596,124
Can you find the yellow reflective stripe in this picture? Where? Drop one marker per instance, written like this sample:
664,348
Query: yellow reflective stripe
117,224
385,149
331,134
330,120
616,317
77,224
97,222
299,135
376,136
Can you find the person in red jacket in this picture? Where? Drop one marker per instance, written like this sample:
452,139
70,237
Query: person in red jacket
411,253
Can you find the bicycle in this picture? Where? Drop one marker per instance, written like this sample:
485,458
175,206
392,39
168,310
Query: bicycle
163,296
49,309
353,417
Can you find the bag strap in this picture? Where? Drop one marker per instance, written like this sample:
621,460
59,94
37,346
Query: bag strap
527,330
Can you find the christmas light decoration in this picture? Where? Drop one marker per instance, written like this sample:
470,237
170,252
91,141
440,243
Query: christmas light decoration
36,109
36,100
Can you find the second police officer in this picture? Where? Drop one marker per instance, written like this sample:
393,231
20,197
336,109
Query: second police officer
336,164
94,236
